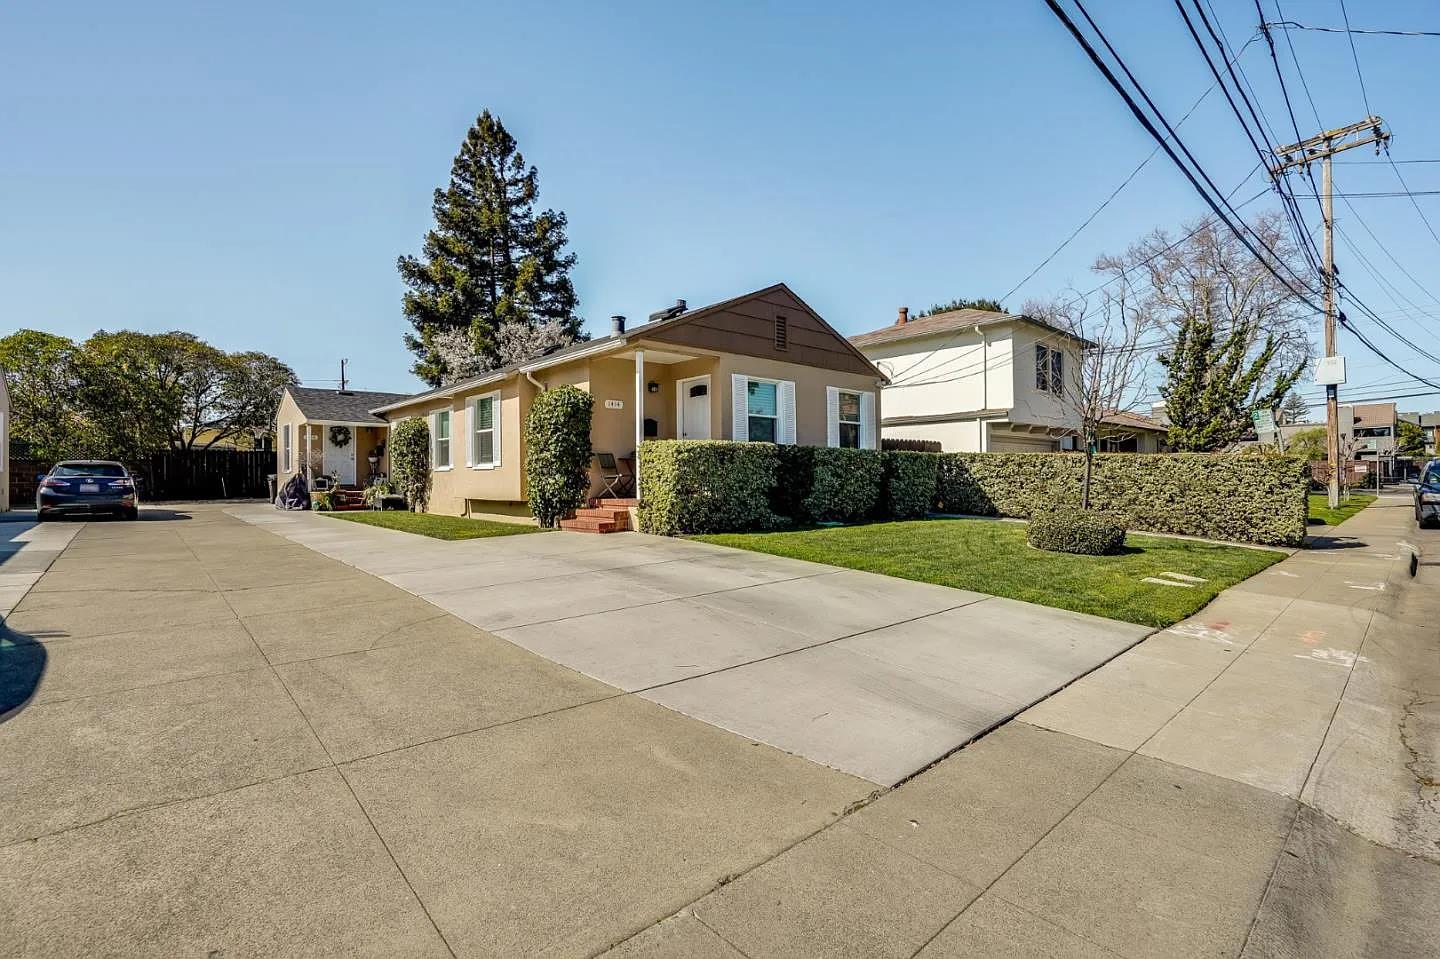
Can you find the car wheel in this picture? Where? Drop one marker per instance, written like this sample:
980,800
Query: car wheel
41,518
131,514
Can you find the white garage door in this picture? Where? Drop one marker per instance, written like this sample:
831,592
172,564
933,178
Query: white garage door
1000,443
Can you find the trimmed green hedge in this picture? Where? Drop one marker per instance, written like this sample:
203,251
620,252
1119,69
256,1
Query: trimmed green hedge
1074,530
1251,499
710,486
844,485
910,483
718,486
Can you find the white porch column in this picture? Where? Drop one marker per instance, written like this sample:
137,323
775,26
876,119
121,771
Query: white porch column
639,414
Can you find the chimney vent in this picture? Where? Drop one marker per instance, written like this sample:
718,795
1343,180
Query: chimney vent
617,325
903,317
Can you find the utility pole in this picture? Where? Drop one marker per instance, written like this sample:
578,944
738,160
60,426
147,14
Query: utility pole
1322,147
343,362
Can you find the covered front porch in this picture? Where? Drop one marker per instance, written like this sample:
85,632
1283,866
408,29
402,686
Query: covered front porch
347,456
649,392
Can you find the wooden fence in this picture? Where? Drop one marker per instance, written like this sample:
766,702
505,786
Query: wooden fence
173,474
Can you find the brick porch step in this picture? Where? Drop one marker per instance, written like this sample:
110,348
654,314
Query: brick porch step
614,503
585,524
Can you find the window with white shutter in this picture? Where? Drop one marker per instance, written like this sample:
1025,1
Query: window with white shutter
485,431
763,410
440,439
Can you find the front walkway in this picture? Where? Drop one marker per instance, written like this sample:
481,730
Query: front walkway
871,675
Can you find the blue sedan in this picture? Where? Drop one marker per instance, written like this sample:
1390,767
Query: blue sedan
90,487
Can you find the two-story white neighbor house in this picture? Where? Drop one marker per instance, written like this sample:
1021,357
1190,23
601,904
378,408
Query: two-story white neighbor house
977,381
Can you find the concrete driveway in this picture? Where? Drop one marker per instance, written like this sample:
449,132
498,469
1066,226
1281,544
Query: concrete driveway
871,675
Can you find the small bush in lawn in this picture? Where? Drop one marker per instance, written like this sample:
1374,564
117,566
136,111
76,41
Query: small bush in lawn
410,460
557,461
1083,531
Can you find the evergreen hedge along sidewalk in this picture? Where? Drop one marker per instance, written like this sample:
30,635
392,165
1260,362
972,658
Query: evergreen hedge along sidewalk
690,487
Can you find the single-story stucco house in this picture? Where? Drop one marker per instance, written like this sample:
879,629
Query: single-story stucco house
330,431
758,367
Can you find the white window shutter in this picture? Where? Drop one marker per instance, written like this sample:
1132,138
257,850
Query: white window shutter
470,420
832,417
785,400
495,418
867,421
434,440
739,407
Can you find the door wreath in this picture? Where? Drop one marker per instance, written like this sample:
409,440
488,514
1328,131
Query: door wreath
340,436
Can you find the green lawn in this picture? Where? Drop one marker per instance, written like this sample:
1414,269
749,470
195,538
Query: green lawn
437,527
993,557
1320,511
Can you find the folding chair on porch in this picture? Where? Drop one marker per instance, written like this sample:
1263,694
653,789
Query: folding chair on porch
611,476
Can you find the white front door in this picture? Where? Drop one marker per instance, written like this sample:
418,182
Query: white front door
694,406
340,460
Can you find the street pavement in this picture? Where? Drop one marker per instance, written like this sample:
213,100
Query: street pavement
220,742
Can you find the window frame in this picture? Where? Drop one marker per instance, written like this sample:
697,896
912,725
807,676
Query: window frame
775,433
473,415
841,422
287,448
449,440
1049,370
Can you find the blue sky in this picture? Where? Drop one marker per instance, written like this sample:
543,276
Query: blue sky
250,172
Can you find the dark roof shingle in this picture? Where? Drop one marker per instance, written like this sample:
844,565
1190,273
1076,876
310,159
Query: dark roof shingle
351,406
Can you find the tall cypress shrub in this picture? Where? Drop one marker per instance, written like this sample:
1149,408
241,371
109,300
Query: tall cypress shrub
557,455
409,449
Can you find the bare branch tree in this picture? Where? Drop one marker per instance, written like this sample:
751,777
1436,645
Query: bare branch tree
1114,364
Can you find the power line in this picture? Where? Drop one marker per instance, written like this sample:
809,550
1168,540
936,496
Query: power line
896,379
1266,156
1145,121
1292,25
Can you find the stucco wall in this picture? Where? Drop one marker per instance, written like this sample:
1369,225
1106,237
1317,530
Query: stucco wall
945,373
962,436
810,384
1032,405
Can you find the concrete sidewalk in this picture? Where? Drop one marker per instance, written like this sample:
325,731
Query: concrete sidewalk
1259,780
871,675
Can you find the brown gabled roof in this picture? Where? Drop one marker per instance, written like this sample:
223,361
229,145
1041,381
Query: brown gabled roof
1135,421
602,343
951,321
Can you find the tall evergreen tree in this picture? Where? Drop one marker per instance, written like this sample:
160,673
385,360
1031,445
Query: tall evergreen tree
491,258
1214,382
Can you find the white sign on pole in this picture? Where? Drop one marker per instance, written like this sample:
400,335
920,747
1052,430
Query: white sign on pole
1330,371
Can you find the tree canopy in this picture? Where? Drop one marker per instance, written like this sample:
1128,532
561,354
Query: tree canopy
491,260
981,303
124,395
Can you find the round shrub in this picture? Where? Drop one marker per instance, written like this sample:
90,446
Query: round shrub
1070,530
410,460
557,452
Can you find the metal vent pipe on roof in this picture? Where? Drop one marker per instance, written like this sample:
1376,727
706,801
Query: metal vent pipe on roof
617,324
